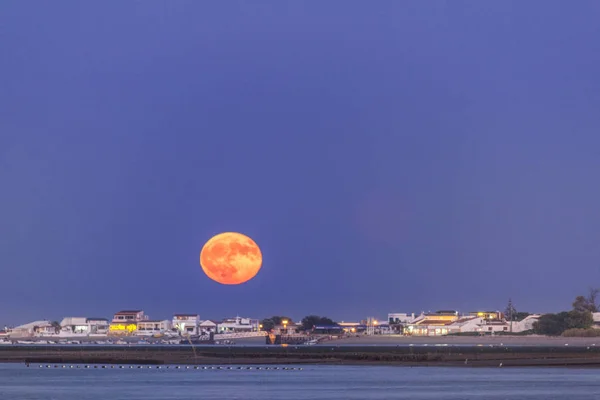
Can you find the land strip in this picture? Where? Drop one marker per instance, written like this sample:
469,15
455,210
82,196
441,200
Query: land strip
464,356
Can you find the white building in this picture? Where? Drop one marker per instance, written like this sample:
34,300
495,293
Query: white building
525,324
449,322
207,326
33,329
149,328
125,322
129,316
98,326
238,324
186,324
83,326
400,318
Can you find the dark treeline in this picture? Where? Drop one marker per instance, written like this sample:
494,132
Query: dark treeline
308,322
576,322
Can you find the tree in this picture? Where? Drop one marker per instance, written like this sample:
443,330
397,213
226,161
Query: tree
579,320
267,324
278,320
556,324
520,316
587,303
310,321
56,326
270,323
592,299
510,311
551,324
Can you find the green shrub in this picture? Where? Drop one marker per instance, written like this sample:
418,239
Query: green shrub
577,332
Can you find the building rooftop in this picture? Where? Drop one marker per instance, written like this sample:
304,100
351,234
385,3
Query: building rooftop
32,324
128,312
185,315
434,322
153,321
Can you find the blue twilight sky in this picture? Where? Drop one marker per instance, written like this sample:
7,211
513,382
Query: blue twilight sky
386,155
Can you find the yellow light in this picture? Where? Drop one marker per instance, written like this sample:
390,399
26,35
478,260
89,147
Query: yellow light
285,321
375,322
121,327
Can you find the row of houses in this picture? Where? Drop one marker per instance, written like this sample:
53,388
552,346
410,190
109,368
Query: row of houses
134,322
447,322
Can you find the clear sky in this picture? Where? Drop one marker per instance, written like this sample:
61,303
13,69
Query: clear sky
387,156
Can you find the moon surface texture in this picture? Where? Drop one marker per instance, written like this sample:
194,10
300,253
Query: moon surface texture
230,258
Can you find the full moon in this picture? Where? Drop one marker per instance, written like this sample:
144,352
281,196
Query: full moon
230,258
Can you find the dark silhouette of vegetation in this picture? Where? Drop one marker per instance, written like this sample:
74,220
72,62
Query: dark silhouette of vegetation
580,318
555,324
270,323
520,316
310,321
587,303
511,313
575,332
56,326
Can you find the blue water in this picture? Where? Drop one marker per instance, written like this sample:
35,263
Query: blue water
313,382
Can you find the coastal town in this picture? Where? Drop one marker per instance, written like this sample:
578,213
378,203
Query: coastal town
138,324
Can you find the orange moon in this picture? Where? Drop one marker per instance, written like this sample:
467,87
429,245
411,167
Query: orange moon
230,258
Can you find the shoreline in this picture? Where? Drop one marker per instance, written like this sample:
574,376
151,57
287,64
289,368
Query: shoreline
355,355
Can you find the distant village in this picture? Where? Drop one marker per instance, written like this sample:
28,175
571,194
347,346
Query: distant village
136,323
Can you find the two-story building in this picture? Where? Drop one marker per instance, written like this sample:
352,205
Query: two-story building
186,324
238,325
150,327
83,326
98,326
400,318
125,322
432,324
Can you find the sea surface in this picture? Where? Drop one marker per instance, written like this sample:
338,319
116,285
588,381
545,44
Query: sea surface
17,382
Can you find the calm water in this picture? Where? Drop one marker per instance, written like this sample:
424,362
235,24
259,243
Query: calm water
319,382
